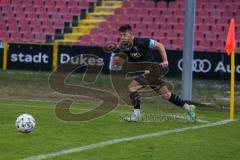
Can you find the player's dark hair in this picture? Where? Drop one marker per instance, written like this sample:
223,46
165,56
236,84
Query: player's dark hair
125,28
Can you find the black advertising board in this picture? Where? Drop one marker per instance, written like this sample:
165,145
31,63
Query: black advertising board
65,53
205,65
31,57
35,57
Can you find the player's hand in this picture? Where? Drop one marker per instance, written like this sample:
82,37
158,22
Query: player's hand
164,64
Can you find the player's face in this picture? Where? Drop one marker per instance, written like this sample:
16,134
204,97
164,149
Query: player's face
118,61
126,36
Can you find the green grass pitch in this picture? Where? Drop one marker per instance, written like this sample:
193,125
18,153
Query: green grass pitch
21,94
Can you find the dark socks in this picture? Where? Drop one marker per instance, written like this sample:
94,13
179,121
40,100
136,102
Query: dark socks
135,98
175,99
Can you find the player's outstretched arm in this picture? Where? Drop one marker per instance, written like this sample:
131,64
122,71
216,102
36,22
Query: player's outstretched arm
162,51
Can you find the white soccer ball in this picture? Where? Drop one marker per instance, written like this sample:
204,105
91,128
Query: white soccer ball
25,123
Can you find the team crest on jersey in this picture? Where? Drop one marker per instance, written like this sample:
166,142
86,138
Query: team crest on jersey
135,53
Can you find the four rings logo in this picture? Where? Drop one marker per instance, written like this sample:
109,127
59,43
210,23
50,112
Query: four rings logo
199,65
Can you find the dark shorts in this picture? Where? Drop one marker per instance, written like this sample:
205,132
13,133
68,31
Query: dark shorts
155,84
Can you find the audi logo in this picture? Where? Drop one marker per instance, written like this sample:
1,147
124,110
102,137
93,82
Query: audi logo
199,65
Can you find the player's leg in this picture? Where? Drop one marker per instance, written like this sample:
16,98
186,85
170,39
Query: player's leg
133,88
176,100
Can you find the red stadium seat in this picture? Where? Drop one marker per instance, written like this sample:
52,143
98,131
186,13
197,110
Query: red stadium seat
227,13
142,12
12,28
67,17
216,28
4,2
8,15
199,35
37,3
138,4
130,11
75,10
49,3
203,28
165,27
37,29
158,34
215,13
153,27
155,13
40,9
60,3
173,20
103,25
4,36
218,45
63,10
51,9
94,31
135,19
98,40
127,4
46,23
27,37
112,39
179,28
160,20
48,30
25,29
39,37
85,38
172,35
42,15
28,9
149,5
15,37
73,3
210,21
58,24
147,20
111,18
161,4
179,13
83,4
140,26
122,19
119,11
178,43
210,36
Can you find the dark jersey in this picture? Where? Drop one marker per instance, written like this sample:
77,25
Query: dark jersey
139,51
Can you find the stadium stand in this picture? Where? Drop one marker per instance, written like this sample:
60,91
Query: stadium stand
165,22
45,20
35,20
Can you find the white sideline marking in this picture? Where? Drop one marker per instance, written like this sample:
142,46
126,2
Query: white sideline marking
120,140
202,121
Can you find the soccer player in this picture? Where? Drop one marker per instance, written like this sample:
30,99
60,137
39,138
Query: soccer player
139,53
